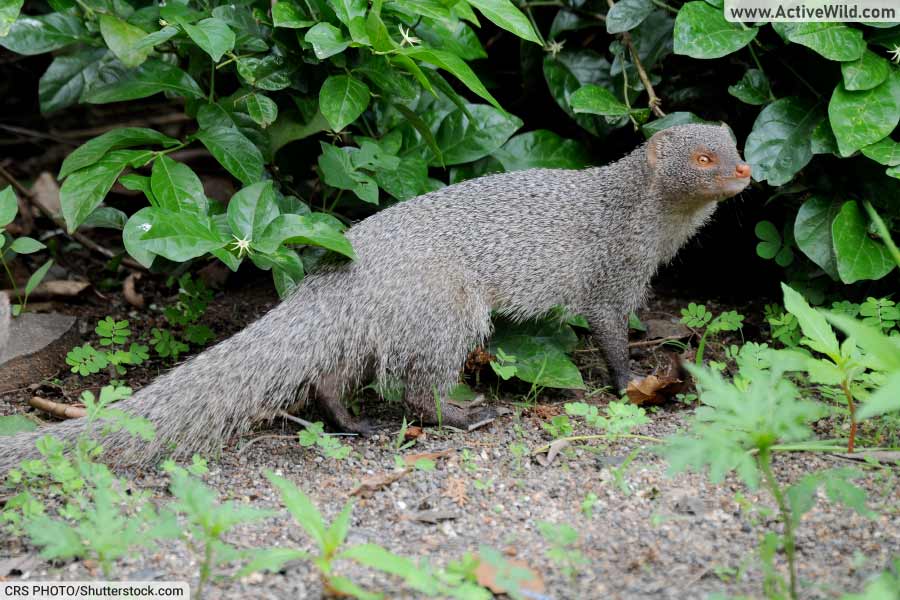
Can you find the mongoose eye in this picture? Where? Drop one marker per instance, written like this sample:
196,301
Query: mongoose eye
704,160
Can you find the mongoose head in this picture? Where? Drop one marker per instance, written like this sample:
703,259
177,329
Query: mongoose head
696,164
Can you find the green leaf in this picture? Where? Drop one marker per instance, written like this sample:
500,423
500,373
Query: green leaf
701,31
338,171
37,277
309,229
770,243
327,40
107,217
271,73
540,349
9,206
886,152
408,180
864,117
152,77
625,15
234,152
462,140
26,245
155,38
261,108
120,37
272,559
138,224
753,88
858,256
871,339
779,145
456,38
812,232
570,71
85,189
819,334
251,210
289,16
456,67
181,237
9,11
125,137
670,120
301,508
865,73
342,100
67,77
541,149
176,187
212,35
13,424
599,101
834,41
37,35
505,15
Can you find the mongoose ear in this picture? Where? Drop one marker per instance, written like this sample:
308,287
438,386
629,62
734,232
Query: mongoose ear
653,146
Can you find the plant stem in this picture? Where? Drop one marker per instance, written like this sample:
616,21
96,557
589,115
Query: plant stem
701,347
12,281
205,568
653,101
882,231
764,459
212,83
661,4
845,385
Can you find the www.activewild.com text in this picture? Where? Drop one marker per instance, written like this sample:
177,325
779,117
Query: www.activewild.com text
835,12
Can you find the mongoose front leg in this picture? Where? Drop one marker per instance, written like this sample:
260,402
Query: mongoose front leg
610,330
328,395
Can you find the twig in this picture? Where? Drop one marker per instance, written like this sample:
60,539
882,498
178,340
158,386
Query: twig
269,436
63,411
654,100
656,341
38,135
303,422
78,237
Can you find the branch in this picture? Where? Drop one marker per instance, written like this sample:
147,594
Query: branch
654,100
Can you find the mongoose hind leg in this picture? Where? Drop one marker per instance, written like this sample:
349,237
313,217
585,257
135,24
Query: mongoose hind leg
610,330
432,410
329,397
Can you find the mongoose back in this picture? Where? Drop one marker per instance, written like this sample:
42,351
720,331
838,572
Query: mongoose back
419,296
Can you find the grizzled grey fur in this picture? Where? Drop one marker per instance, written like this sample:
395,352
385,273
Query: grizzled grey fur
419,296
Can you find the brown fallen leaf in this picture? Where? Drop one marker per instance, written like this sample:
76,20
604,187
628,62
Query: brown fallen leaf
457,490
413,433
412,459
63,411
528,579
46,193
130,292
430,516
652,390
373,483
553,451
61,288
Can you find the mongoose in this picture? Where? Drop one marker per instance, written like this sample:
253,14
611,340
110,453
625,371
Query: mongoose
428,273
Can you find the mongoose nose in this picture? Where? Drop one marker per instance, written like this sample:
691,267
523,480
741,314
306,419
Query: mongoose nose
742,170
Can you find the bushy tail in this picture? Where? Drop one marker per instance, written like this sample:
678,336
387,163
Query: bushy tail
216,394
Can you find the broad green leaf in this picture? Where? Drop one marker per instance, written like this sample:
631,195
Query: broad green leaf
541,149
84,190
540,350
812,232
12,424
67,77
858,256
886,152
822,140
454,37
819,334
37,35
456,67
120,37
301,508
338,171
753,88
26,245
288,128
670,120
303,229
408,180
779,145
37,277
261,109
326,39
251,209
107,217
885,349
462,140
288,15
599,101
9,11
271,73
869,71
181,237
352,14
568,72
342,100
138,224
176,187
235,152
505,15
125,137
625,15
834,41
152,77
701,31
9,206
155,38
865,117
212,35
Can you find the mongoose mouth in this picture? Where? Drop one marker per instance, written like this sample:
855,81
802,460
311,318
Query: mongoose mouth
730,186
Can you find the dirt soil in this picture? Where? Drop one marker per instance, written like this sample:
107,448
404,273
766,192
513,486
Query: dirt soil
647,536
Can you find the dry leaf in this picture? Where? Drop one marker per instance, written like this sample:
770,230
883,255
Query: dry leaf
46,193
486,575
412,459
430,516
413,433
63,411
652,390
62,288
457,490
370,485
128,290
553,451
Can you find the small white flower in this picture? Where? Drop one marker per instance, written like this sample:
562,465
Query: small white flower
145,227
406,38
554,47
242,246
895,54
